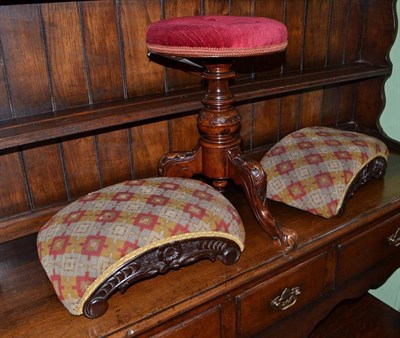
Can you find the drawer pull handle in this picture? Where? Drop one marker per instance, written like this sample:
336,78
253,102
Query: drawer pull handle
395,238
286,299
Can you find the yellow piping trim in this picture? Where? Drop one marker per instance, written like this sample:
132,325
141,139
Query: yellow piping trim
215,52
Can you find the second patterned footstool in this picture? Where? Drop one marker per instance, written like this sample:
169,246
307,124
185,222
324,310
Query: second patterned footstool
317,169
112,238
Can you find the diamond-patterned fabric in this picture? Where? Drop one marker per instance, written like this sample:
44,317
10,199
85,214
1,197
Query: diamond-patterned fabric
312,168
85,242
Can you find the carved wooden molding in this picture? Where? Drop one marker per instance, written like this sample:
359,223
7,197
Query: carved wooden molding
374,169
159,261
251,176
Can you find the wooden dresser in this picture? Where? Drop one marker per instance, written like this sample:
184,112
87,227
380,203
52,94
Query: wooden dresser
82,107
335,259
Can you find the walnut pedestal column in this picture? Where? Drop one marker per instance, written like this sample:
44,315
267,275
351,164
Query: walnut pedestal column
219,156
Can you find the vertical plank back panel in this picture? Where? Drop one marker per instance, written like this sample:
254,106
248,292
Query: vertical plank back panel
142,76
24,59
346,105
65,59
295,23
316,34
337,31
378,30
295,16
149,143
216,7
338,22
183,133
378,36
354,32
102,45
5,109
270,9
246,130
266,122
14,197
242,7
65,52
330,106
102,49
81,166
310,108
114,156
45,176
267,113
290,112
315,56
369,98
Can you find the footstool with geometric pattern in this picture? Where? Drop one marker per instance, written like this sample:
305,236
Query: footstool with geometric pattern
317,169
112,238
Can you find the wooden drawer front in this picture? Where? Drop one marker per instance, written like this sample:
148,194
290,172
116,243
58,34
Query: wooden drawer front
367,249
303,284
204,324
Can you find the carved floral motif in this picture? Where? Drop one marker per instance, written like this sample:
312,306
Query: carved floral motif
159,261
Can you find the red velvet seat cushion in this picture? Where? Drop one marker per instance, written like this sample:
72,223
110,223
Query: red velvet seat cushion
216,36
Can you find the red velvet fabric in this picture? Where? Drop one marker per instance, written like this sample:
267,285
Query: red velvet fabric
217,32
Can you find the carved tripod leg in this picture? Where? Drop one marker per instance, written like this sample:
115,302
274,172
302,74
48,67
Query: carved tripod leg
181,164
251,176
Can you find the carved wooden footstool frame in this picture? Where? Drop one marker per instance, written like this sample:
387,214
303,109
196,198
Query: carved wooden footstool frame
375,169
111,239
172,256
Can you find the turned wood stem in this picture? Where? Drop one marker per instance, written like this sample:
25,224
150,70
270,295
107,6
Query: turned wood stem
219,156
218,122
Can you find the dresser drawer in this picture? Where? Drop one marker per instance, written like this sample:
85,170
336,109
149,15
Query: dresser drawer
203,324
367,249
278,297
